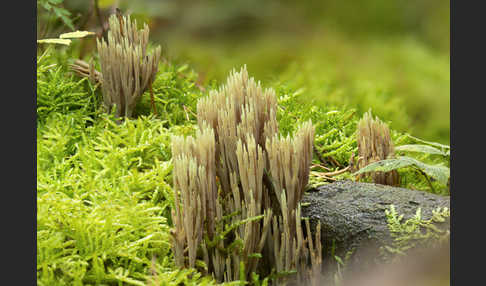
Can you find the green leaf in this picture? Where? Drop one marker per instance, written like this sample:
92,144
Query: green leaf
420,148
430,143
439,172
66,42
385,165
75,35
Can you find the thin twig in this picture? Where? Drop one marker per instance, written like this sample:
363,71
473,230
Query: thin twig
334,161
329,175
335,173
321,175
320,166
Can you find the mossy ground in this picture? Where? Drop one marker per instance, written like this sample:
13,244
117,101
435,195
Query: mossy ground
104,189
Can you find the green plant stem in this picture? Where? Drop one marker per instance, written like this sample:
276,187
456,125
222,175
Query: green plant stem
428,180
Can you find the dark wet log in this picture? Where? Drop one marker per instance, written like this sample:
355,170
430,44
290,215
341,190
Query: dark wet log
352,215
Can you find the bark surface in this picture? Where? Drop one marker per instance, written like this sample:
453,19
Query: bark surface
352,215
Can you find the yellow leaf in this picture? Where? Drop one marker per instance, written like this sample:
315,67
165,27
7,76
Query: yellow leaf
77,34
66,42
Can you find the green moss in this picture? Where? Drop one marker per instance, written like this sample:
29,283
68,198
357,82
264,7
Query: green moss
58,92
103,190
334,128
415,231
176,91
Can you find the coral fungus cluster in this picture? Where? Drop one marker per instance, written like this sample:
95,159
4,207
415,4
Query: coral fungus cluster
237,187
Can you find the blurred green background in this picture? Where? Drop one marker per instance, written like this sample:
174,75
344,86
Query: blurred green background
390,56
